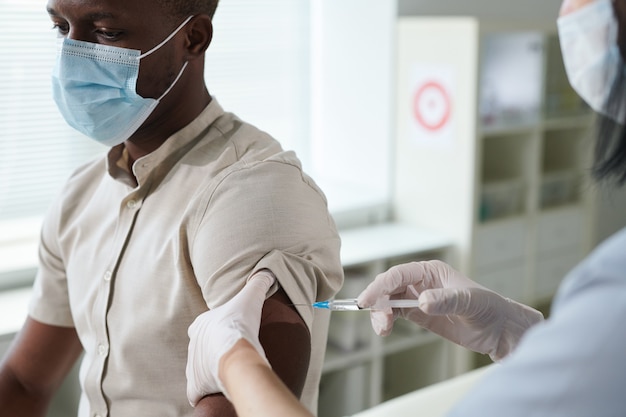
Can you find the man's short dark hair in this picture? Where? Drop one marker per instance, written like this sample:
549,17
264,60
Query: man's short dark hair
184,8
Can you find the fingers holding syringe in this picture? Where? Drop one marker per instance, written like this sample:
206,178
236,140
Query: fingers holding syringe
394,283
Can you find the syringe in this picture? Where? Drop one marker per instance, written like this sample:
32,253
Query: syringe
351,304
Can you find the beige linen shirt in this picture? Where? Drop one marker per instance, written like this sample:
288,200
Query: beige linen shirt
130,266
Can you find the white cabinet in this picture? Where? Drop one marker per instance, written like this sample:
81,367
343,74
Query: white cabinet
499,243
491,151
560,245
362,369
503,172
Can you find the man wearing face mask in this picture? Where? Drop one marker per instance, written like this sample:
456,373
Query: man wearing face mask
189,203
571,364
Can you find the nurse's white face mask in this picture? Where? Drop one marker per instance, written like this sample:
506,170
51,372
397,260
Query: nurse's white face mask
591,55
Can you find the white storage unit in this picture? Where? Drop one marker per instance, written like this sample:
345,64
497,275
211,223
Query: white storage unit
362,369
490,151
503,174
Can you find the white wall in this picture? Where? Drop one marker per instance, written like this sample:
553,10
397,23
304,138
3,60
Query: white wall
489,9
352,100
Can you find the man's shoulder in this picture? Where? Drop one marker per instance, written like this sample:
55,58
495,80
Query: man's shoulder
86,174
233,151
246,140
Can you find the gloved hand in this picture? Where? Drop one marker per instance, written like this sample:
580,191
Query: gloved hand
452,306
213,334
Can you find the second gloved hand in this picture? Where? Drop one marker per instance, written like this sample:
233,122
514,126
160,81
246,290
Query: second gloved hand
215,332
452,306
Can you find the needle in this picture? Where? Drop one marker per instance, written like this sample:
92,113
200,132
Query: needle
351,304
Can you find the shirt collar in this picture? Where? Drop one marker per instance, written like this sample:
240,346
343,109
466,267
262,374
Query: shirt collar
167,155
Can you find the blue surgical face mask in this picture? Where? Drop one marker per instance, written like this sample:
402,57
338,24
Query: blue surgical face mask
94,87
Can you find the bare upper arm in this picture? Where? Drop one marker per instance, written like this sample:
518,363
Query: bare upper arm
39,359
286,341
287,344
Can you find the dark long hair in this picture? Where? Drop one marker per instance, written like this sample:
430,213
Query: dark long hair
609,164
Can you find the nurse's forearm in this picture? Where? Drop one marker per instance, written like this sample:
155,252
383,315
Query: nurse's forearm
254,389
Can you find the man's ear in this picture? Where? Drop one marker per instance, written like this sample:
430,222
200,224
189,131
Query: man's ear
199,35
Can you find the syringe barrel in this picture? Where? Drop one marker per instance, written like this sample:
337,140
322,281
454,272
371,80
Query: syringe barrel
344,305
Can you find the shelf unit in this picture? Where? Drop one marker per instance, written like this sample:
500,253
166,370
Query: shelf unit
362,369
505,177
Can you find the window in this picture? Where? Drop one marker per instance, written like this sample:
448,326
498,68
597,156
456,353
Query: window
315,74
37,149
352,116
258,66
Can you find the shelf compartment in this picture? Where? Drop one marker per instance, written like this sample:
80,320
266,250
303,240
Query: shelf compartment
506,157
508,280
562,164
559,229
510,79
349,330
560,98
346,392
411,369
501,199
559,188
407,335
500,243
565,148
505,166
337,359
582,122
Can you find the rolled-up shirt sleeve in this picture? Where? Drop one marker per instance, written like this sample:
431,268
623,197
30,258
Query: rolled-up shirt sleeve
270,215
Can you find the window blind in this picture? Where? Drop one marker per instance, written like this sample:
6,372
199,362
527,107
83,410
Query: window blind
37,149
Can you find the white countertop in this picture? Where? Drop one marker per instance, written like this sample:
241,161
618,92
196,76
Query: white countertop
387,240
432,401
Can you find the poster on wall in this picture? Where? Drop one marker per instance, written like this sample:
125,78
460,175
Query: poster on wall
431,115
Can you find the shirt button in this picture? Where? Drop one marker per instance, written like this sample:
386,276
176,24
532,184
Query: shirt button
131,204
102,349
107,276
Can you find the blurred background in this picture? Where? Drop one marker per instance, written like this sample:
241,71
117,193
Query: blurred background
438,129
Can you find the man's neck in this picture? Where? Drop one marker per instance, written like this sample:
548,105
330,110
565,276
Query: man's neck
154,133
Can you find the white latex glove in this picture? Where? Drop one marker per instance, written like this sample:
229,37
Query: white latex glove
452,306
213,334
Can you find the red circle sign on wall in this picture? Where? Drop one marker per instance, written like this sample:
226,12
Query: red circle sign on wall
431,106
